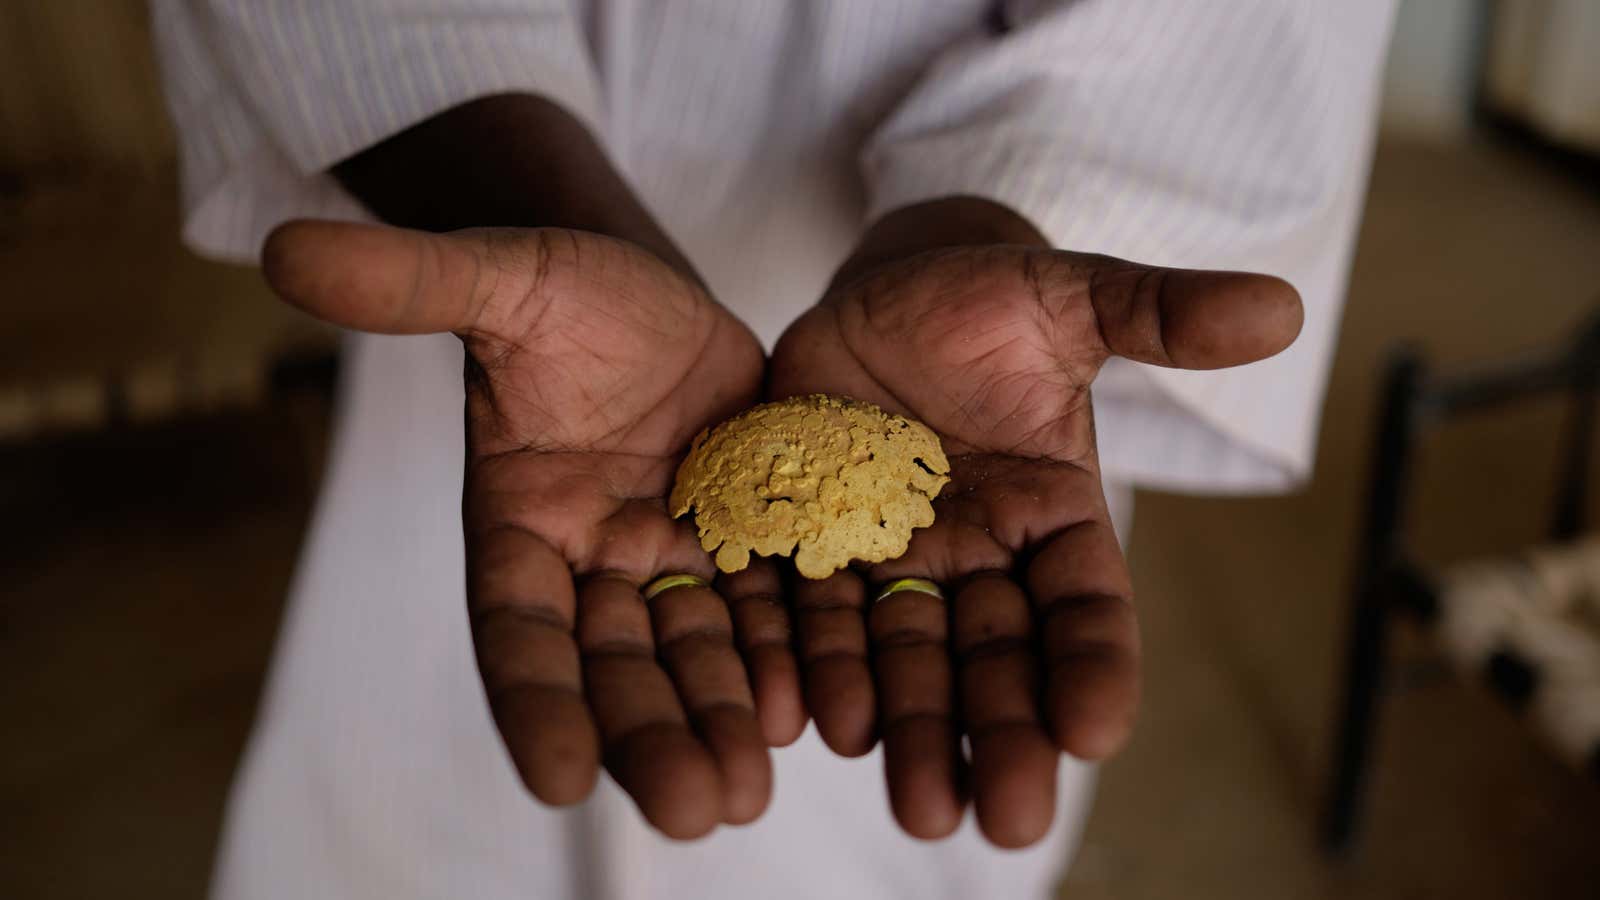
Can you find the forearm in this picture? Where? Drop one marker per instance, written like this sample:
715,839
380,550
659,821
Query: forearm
507,160
946,222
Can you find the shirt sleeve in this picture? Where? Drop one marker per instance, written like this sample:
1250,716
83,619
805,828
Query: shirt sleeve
267,95
1231,135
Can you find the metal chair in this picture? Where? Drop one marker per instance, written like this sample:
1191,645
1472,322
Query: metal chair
1389,582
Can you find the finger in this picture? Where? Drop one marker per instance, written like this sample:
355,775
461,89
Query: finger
1013,760
694,637
649,747
1190,318
520,603
762,630
1090,639
832,643
379,278
921,749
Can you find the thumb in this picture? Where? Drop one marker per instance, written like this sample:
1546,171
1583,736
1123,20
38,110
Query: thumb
1192,318
379,278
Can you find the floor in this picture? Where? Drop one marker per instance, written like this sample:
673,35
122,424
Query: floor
145,566
1472,255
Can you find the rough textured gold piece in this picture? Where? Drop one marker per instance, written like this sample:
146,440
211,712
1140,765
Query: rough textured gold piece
828,479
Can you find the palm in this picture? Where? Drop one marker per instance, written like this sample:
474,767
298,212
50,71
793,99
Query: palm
590,365
587,380
970,343
995,348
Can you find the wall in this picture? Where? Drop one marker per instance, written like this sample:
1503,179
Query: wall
78,89
1432,73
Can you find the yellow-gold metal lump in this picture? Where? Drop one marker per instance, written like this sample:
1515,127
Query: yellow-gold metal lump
828,479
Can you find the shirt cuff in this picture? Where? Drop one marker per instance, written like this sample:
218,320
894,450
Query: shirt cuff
261,156
393,73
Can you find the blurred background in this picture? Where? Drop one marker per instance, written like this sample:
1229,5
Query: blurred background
162,422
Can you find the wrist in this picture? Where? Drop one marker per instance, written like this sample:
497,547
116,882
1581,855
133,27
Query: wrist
510,160
958,221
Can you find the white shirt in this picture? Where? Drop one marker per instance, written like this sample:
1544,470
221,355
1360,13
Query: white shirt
763,134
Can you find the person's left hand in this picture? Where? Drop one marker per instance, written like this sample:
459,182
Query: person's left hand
1036,648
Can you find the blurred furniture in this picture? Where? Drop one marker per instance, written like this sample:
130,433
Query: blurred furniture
108,319
1520,622
79,89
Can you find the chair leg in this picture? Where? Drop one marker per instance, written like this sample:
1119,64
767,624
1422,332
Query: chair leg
1364,676
1378,559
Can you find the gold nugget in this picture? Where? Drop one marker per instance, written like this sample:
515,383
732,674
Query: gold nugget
839,479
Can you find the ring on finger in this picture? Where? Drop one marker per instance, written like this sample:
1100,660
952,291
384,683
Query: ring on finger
920,585
668,582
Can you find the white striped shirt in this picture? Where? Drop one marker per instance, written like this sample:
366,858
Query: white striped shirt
1211,134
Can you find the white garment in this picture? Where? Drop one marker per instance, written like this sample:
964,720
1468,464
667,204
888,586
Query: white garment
763,133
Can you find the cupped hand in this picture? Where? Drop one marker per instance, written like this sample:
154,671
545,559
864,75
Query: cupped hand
1036,649
590,366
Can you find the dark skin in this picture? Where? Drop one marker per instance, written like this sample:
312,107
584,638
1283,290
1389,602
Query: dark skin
595,354
958,313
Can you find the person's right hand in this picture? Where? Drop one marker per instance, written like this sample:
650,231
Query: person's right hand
590,366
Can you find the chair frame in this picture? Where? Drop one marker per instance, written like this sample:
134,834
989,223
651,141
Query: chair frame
1388,581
